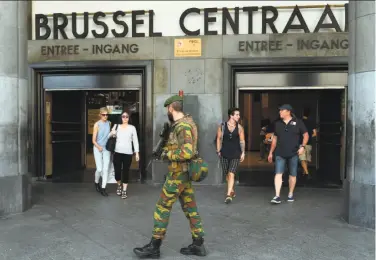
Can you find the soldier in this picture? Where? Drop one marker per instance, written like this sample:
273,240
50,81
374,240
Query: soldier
181,146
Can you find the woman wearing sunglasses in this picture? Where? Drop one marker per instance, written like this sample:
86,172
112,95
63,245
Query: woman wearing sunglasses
102,157
126,134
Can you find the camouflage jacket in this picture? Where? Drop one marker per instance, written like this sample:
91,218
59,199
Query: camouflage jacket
182,144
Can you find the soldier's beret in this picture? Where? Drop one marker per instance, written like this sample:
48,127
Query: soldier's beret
172,99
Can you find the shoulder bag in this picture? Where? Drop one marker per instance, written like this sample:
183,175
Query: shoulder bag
111,142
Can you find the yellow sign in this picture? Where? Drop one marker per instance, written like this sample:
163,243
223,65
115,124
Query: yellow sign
187,47
92,118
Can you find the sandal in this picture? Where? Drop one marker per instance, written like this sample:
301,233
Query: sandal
124,194
118,191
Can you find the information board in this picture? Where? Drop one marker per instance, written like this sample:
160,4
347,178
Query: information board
187,47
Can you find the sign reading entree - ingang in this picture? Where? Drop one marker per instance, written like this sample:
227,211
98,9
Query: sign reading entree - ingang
64,50
299,45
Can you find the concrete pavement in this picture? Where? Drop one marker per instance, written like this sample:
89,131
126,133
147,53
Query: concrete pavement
72,221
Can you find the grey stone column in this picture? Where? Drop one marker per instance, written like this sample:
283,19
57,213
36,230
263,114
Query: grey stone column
15,187
359,186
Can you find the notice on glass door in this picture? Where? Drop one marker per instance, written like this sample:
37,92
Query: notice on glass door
92,117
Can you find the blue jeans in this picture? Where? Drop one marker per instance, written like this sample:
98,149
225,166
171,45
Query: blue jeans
280,164
102,161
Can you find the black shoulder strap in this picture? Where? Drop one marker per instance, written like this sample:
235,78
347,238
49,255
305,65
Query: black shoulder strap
116,126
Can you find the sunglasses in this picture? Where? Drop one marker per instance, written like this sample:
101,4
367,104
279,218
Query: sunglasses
104,114
124,116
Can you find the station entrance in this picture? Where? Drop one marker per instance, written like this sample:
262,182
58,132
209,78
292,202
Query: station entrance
324,109
68,108
69,121
258,96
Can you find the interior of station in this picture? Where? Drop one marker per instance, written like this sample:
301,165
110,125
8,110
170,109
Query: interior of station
326,110
69,120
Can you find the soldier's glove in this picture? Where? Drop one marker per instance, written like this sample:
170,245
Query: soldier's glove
163,154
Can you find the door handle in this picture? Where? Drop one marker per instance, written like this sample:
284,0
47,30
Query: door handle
65,132
67,123
327,133
65,141
327,143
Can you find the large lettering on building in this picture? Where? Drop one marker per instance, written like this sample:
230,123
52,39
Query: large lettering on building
60,22
266,21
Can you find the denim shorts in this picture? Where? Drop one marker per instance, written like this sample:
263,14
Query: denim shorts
280,164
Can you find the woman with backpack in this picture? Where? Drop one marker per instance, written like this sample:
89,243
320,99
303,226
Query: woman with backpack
231,149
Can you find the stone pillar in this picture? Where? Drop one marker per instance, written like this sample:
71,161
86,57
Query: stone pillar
15,185
359,186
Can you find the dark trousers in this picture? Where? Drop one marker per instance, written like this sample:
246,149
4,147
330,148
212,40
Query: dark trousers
262,147
122,163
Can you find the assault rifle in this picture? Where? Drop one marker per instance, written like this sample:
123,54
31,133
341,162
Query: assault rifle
164,134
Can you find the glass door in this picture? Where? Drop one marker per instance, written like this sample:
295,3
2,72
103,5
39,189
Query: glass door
64,135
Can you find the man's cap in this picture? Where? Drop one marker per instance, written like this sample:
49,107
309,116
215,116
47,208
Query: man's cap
172,99
286,107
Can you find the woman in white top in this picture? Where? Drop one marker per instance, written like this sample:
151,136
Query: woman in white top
125,135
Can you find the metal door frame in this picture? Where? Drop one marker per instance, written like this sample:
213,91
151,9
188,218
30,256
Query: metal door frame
231,66
36,113
288,88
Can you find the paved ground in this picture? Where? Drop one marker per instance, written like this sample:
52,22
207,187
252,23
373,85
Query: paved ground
74,222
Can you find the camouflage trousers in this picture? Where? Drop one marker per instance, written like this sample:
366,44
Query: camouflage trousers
176,187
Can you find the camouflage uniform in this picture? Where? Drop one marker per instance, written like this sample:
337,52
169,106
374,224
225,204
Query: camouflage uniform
180,147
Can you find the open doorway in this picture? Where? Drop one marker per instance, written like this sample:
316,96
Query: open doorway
69,121
326,108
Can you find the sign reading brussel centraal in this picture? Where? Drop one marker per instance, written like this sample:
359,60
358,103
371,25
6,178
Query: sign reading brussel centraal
60,22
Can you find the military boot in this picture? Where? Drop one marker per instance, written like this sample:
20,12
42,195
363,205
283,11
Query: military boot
196,248
150,250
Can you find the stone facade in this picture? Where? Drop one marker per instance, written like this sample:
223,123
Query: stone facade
359,186
15,185
201,78
213,47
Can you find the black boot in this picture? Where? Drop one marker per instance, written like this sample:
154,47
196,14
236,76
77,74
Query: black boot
150,250
97,187
196,248
103,192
